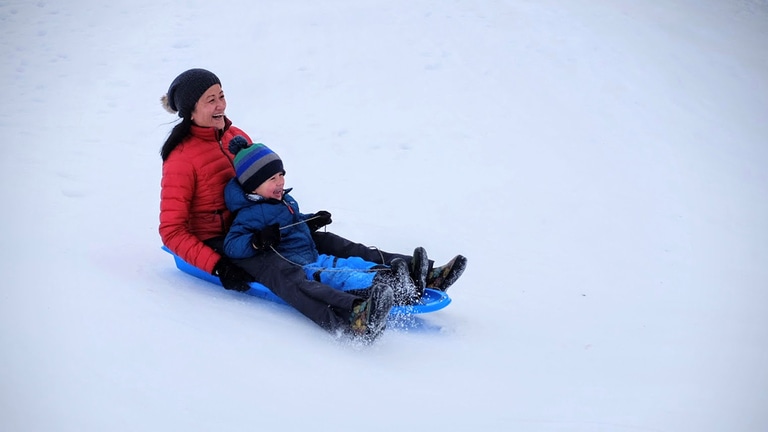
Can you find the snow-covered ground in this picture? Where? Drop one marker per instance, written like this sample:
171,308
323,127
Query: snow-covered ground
603,164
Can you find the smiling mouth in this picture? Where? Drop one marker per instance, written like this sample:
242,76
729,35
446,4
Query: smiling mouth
218,116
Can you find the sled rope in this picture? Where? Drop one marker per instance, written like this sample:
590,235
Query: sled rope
381,255
296,223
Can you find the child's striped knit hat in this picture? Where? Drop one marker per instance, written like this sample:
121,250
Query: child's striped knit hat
254,163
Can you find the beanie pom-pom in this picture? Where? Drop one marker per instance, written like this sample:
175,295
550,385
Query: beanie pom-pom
166,103
237,143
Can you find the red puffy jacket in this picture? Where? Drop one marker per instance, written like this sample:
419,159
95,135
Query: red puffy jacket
192,205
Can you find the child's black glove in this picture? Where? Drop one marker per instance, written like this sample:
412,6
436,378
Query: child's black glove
231,276
318,220
266,238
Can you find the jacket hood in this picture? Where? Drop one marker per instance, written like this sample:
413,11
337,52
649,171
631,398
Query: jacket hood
235,196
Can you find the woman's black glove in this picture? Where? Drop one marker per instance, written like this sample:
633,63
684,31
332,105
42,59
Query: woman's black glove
232,277
266,238
318,220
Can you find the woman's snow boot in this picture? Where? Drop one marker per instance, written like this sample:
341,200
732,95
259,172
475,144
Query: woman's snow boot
440,278
419,269
398,276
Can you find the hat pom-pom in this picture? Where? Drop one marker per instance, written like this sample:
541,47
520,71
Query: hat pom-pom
237,143
167,104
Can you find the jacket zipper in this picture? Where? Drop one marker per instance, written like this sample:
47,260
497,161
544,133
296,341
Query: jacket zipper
290,209
220,213
224,152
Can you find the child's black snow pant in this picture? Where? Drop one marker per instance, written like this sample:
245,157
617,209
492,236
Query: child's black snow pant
327,307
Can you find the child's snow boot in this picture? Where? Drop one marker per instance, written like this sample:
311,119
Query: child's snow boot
398,277
442,277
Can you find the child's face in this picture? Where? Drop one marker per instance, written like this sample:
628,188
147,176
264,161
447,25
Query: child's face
272,188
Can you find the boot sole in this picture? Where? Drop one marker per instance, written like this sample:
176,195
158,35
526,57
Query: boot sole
382,300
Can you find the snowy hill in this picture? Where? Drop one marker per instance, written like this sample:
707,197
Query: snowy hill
602,164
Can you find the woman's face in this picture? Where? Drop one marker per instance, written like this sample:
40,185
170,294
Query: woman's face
209,110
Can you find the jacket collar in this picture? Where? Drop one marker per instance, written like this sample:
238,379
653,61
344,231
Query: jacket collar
260,199
209,133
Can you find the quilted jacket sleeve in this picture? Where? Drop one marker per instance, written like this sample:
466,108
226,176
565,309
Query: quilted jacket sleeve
176,194
238,241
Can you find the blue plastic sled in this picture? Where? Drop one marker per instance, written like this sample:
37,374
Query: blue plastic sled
432,300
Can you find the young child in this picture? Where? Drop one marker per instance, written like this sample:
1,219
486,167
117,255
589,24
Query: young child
268,223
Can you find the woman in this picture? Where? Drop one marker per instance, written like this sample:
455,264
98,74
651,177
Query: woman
196,167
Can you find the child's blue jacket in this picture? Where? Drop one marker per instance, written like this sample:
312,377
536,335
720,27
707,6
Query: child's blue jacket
253,212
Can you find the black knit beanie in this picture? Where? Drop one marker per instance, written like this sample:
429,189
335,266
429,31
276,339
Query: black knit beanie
186,90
